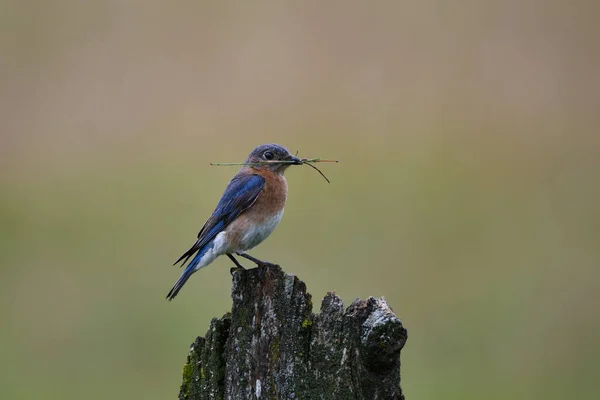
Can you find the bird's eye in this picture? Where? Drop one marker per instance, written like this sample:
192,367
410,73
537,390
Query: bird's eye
268,155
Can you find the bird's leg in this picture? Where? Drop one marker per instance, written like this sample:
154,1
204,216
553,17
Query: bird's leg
256,260
238,266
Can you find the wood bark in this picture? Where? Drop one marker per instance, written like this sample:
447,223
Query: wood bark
272,346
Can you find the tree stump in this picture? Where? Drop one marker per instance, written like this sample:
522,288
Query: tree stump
271,346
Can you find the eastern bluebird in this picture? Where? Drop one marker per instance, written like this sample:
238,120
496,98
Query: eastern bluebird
249,210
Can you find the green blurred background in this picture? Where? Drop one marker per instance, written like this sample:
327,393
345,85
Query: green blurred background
467,194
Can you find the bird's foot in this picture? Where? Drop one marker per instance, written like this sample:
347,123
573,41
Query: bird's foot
238,267
256,261
233,270
267,264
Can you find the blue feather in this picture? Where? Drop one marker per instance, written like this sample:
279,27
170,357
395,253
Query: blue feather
241,192
189,270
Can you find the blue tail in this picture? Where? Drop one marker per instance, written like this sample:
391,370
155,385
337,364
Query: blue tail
189,270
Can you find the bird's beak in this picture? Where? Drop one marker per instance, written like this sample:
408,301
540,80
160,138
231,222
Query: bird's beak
295,160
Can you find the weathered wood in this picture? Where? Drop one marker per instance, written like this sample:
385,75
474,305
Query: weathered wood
271,346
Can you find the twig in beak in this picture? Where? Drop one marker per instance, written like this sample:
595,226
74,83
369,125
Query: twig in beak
303,161
318,170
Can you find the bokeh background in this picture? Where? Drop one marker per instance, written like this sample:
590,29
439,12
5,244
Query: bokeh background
467,194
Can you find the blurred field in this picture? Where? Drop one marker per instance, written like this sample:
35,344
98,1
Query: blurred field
467,194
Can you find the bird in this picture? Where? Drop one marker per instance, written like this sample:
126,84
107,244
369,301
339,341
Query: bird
247,213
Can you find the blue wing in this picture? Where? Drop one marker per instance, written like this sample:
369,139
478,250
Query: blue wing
241,192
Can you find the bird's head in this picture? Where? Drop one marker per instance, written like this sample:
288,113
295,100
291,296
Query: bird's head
272,156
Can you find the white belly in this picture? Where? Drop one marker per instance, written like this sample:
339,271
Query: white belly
256,233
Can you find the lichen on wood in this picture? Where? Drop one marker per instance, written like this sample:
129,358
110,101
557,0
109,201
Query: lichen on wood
272,346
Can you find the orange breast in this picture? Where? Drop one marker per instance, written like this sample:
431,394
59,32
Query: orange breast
272,198
256,223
